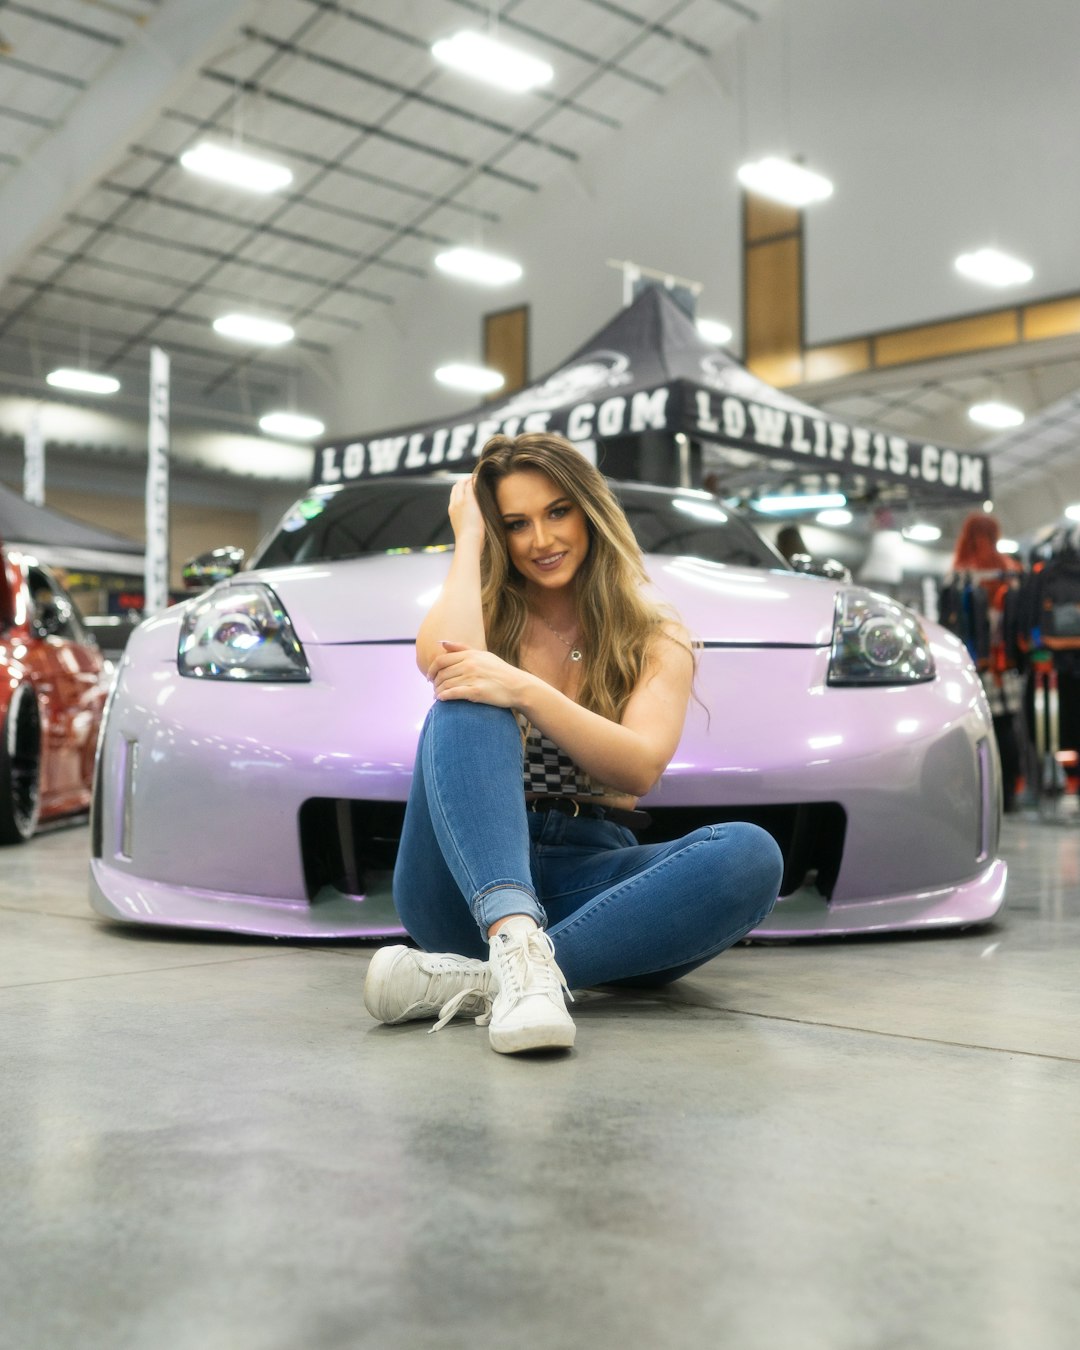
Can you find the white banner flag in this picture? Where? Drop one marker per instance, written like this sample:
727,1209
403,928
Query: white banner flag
34,461
157,486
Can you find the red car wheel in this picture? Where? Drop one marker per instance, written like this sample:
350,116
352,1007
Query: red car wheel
20,768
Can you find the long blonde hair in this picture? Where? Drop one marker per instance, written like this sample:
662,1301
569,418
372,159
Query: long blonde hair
618,622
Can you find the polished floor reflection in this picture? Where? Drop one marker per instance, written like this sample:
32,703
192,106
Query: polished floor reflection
831,1146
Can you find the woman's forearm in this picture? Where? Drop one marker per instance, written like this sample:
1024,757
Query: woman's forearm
457,615
618,756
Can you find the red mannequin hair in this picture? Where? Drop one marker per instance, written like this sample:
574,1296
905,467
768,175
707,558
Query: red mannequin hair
977,546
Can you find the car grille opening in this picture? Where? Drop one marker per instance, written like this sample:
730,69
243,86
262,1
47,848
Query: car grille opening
344,843
810,835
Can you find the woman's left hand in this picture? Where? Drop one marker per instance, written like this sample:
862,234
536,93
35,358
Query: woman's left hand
464,672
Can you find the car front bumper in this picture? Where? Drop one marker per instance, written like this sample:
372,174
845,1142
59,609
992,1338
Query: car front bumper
203,786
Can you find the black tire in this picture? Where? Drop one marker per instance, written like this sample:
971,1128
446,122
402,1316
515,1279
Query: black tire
20,768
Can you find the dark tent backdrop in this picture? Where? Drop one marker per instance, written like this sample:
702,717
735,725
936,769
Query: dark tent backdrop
652,400
22,523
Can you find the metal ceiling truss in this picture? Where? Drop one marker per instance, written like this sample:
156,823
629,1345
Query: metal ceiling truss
475,163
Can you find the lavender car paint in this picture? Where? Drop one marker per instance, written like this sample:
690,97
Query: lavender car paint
272,808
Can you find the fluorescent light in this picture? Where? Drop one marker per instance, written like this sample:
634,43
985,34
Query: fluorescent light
922,534
712,330
1008,546
85,381
474,265
495,62
236,167
996,415
292,425
1073,512
477,379
993,268
248,328
790,501
783,181
837,516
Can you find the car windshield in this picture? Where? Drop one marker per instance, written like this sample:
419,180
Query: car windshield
408,515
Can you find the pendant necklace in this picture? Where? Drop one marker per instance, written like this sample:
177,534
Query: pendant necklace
573,651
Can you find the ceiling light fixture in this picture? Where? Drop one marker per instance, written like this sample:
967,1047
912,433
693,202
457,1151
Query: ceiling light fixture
782,181
476,379
248,328
294,426
993,268
922,533
790,501
712,330
83,381
236,167
472,264
494,62
837,516
1008,546
995,415
1073,512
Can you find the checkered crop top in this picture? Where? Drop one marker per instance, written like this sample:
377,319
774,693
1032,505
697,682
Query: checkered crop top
549,771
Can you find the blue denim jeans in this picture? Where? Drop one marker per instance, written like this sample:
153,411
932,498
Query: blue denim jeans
471,853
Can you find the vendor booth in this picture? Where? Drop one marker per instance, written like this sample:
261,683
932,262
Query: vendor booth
103,570
649,398
52,531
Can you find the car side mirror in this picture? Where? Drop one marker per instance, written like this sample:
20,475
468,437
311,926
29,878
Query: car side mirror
48,620
828,567
209,568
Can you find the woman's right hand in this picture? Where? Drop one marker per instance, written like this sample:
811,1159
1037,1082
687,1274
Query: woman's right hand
466,517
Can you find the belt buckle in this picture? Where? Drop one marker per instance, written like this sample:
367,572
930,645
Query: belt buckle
557,804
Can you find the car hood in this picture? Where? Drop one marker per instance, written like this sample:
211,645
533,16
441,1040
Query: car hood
384,598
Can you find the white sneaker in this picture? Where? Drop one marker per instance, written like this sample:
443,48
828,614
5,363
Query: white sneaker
403,984
528,1011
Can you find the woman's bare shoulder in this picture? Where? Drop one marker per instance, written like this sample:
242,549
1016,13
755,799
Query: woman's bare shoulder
672,637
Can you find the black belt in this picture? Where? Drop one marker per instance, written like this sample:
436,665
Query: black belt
569,806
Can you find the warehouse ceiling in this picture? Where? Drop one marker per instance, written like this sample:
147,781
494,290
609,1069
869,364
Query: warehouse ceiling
395,158
109,246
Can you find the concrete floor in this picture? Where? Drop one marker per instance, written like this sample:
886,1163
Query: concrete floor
206,1143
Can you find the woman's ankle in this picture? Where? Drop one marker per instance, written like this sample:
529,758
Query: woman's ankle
517,925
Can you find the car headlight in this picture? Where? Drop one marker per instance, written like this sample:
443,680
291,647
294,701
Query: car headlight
240,632
876,641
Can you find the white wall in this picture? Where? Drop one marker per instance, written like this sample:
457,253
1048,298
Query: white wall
955,112
655,195
926,111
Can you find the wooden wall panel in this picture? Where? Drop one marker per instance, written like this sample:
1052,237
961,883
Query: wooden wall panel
842,358
192,528
506,347
1054,318
763,219
999,329
773,317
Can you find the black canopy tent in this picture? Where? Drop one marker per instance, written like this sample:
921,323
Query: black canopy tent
23,523
645,381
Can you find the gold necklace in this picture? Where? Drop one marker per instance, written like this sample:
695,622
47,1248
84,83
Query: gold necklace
573,651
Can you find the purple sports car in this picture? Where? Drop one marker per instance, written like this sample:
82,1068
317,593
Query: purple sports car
258,746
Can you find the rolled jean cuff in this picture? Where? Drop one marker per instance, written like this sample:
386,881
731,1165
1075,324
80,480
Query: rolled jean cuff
500,900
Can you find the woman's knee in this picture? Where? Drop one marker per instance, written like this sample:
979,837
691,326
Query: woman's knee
459,716
754,853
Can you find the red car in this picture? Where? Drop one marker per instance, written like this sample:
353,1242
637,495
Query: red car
53,686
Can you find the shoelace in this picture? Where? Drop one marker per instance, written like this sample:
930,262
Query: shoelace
441,972
452,1007
533,959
